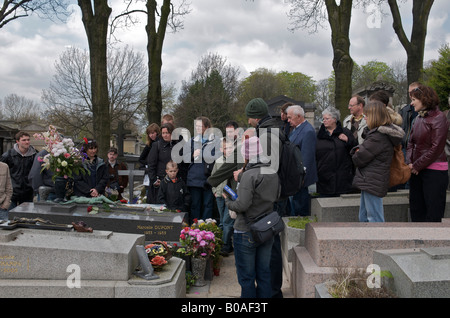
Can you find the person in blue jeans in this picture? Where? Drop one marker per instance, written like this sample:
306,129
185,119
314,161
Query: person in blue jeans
372,160
258,190
203,155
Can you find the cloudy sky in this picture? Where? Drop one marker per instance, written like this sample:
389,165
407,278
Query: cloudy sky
249,34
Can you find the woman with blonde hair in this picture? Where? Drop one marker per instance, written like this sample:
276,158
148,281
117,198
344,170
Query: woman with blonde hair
373,161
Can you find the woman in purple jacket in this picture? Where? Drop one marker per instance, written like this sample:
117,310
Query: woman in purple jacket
426,157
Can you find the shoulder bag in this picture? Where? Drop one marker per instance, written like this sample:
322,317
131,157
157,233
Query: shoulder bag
266,227
400,171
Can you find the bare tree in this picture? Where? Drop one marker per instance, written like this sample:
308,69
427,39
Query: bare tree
310,14
95,17
15,9
158,19
415,47
19,108
69,100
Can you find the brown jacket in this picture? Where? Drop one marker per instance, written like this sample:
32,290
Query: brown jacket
6,189
373,159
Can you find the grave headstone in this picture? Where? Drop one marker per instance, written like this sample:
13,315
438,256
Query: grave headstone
352,245
418,273
120,132
46,263
164,226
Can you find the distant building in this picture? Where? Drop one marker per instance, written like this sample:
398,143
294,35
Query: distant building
275,103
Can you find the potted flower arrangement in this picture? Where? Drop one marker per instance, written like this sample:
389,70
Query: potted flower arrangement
199,245
62,159
211,225
158,253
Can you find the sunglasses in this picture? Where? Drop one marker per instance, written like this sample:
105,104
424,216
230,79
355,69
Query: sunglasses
415,90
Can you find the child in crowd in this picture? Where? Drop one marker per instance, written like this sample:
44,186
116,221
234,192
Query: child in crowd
173,190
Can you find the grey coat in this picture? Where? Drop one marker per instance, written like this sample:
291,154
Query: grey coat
373,160
256,194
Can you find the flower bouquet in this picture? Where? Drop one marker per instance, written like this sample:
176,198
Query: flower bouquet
197,243
63,159
158,253
211,225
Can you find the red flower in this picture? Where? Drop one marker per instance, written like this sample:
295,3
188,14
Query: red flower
158,260
89,208
85,140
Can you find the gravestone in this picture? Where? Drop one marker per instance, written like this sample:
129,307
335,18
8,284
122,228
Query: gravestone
345,208
418,273
131,174
165,226
352,245
45,263
120,132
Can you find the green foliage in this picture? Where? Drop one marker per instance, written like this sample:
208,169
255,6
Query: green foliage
300,222
439,76
268,84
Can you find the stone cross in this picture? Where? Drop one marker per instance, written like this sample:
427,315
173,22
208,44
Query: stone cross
120,132
131,174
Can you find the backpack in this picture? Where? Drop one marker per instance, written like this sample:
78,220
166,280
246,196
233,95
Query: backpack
291,171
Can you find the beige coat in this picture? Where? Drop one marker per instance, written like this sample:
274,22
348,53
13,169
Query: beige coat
6,189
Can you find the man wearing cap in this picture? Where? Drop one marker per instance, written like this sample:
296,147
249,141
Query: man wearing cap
258,116
116,182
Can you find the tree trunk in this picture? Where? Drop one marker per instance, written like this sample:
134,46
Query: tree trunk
154,50
416,47
95,21
339,17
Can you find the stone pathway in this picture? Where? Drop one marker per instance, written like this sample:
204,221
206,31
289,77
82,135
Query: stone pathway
226,284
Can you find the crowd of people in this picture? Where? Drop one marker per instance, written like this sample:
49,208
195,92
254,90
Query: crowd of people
22,176
349,156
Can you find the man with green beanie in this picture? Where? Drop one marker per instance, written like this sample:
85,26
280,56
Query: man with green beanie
258,116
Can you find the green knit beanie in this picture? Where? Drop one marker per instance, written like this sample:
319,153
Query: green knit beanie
256,108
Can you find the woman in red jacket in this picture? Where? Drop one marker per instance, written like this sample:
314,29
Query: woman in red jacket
426,157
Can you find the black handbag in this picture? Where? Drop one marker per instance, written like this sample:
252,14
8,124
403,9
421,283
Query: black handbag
266,227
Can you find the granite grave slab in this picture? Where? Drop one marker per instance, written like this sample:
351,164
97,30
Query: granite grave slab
62,264
164,226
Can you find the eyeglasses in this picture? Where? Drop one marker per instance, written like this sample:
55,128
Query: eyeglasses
326,119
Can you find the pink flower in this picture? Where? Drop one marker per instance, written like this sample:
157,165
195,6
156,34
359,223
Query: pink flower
66,155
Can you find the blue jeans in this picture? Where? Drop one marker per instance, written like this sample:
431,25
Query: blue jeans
4,214
300,203
226,223
371,208
252,265
201,203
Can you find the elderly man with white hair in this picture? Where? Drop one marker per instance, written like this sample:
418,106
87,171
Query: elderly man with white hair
304,135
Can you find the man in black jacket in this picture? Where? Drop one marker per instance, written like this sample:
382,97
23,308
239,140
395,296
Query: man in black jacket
20,160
